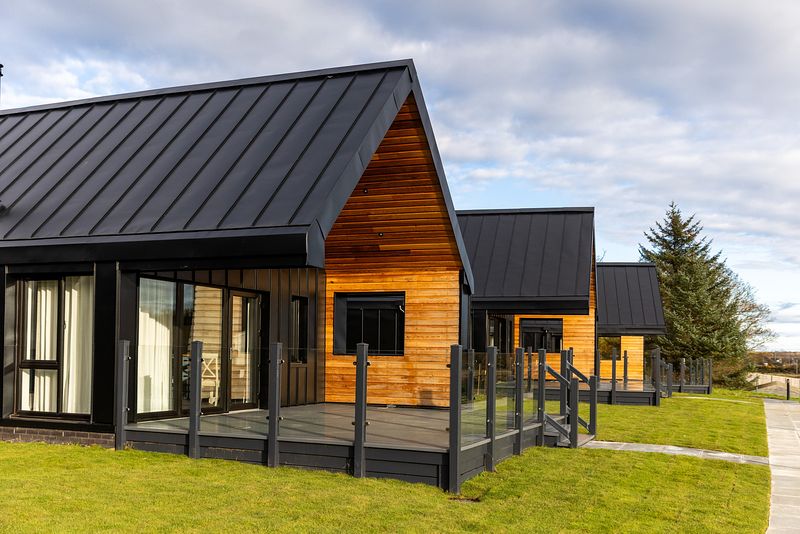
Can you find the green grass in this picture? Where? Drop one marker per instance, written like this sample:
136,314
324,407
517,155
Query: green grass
710,422
68,488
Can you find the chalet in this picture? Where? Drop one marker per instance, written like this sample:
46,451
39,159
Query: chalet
628,309
534,280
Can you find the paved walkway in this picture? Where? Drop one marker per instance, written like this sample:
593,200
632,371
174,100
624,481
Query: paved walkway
783,433
678,451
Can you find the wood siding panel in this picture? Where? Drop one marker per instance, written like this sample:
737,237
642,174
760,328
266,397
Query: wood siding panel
635,347
394,235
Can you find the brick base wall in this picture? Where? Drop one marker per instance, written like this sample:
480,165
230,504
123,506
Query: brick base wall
56,436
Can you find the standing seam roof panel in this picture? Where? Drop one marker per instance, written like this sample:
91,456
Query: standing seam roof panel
628,299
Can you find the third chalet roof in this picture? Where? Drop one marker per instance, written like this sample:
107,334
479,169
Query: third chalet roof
535,259
628,300
271,156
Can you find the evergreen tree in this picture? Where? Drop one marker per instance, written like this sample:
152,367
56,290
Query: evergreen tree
709,312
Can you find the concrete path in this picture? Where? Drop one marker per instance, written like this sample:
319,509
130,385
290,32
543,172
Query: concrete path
783,433
678,451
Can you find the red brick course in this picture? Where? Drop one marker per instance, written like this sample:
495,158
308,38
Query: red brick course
47,435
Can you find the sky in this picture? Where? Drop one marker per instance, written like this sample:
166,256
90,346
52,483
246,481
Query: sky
621,105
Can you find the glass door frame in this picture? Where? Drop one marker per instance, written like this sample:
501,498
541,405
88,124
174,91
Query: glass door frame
258,350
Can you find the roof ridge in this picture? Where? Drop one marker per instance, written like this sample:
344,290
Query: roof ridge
522,211
210,86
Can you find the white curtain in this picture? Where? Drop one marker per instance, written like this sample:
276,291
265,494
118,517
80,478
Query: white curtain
39,387
154,370
78,326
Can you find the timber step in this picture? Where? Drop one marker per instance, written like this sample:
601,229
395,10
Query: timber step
553,438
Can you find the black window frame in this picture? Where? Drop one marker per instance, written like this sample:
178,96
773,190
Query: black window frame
299,329
550,330
22,362
344,303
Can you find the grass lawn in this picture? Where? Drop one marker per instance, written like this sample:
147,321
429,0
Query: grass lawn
68,488
729,420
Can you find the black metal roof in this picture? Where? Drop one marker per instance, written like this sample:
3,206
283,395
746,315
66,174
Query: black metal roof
264,163
530,260
628,299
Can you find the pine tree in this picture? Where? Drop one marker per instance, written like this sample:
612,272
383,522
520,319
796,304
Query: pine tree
709,312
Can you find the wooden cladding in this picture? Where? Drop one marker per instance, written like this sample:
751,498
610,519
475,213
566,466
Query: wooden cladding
635,347
396,217
394,235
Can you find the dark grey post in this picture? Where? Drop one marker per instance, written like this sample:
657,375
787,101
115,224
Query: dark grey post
518,398
470,375
491,403
123,368
788,390
573,413
593,404
530,368
454,471
195,389
669,380
683,374
274,403
540,392
359,452
692,371
613,376
710,376
562,389
702,371
597,362
657,370
625,370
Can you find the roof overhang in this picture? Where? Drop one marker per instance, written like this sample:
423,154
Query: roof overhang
623,330
540,305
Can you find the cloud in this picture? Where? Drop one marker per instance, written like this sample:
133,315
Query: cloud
622,105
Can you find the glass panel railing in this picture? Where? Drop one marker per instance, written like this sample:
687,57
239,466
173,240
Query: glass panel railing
530,396
473,398
505,407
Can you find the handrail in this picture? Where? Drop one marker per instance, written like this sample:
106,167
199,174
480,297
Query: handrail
555,374
581,376
570,386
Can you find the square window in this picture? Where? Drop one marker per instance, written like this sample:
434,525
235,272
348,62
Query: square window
377,319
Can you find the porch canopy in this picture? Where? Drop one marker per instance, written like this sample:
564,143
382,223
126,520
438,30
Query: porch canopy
628,300
530,261
255,169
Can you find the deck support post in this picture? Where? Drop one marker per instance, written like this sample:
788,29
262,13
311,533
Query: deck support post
453,469
613,376
123,369
470,374
491,404
657,374
562,389
519,366
274,403
625,370
360,437
541,393
593,380
710,376
683,375
573,413
597,363
195,397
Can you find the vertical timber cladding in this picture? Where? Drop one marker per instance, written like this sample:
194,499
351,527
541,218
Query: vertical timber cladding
579,331
394,235
635,347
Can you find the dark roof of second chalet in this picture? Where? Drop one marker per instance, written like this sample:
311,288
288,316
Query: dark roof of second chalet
268,157
530,255
628,299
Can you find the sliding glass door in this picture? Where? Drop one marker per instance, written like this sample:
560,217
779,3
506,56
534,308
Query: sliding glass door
171,316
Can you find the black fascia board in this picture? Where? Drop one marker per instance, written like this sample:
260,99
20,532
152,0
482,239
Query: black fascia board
268,246
622,330
546,306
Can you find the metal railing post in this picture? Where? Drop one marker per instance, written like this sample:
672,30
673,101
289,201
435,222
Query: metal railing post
593,380
657,370
613,376
360,437
454,471
562,389
470,374
530,368
692,369
491,404
274,403
683,375
597,362
573,413
541,397
195,397
669,380
625,370
123,368
710,376
519,365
